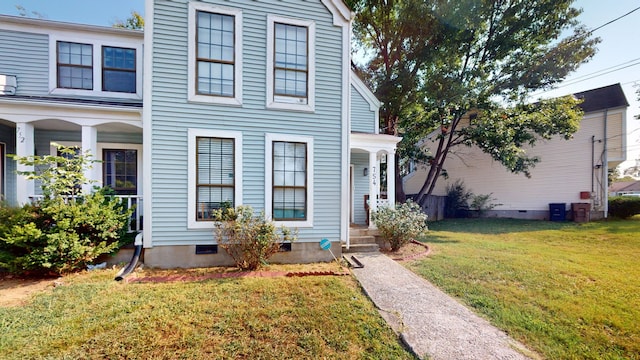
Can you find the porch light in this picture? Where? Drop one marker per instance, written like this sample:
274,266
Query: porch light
365,172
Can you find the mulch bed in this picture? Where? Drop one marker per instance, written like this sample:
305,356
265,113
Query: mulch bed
233,275
412,251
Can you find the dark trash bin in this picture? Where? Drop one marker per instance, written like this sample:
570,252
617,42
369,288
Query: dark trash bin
557,211
581,212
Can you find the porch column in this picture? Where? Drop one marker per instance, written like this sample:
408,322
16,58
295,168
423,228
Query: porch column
90,144
24,147
391,178
373,187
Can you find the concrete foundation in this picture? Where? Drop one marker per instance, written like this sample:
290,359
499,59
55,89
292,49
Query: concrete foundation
184,256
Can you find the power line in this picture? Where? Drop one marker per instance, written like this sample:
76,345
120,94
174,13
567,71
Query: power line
614,20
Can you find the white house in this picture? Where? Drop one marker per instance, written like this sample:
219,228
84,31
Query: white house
570,171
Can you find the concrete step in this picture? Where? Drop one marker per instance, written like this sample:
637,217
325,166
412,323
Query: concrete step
365,239
363,232
356,248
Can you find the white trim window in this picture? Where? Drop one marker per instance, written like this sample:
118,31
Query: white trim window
290,64
75,65
289,179
95,66
215,54
215,174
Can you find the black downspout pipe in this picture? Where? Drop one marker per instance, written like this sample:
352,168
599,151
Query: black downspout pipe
134,259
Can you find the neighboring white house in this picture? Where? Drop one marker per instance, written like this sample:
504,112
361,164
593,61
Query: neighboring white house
247,102
570,171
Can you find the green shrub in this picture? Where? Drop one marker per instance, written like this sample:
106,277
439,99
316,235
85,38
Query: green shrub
249,240
457,204
624,207
483,203
64,231
400,224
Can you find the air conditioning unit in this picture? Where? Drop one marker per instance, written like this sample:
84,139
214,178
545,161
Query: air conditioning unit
8,84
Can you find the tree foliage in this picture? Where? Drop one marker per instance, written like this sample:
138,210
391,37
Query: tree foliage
460,73
133,22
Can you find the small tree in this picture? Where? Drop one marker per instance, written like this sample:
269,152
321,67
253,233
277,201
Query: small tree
65,230
133,22
400,224
249,240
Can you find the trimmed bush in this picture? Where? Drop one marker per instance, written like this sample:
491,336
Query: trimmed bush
249,240
400,224
64,231
624,207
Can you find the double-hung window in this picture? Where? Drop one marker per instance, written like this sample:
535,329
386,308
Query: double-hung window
120,170
289,189
215,54
75,65
215,174
290,64
118,69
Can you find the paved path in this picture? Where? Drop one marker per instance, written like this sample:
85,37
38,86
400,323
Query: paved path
431,323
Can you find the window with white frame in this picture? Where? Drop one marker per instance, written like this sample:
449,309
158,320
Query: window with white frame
290,64
289,180
101,66
118,69
215,174
215,54
75,65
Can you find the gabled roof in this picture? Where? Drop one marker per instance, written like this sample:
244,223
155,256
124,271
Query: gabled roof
607,97
625,186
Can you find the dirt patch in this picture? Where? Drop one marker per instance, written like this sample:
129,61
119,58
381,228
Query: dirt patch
410,251
15,291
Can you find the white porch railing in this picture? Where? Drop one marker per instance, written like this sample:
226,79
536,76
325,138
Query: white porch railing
381,203
135,222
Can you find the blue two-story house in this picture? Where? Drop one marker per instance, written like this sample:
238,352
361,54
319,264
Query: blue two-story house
241,102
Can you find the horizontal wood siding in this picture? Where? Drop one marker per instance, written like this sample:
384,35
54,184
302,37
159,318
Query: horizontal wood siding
361,186
564,171
362,118
172,115
28,61
616,150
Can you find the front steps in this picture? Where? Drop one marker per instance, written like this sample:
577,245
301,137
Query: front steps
361,239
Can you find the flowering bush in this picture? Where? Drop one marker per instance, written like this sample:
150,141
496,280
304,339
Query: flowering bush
250,240
400,224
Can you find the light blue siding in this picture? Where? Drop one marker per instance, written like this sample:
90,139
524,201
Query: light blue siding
172,115
29,61
361,186
8,139
362,118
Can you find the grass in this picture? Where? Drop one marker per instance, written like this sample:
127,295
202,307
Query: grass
568,291
94,317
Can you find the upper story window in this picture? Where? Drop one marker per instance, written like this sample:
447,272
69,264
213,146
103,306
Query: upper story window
215,39
215,54
102,65
118,69
75,65
291,61
290,64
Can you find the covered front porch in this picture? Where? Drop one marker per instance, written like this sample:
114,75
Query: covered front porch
372,175
111,133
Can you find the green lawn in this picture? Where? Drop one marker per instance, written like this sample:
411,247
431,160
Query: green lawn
569,291
94,317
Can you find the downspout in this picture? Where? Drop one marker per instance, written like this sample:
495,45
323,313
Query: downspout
134,259
605,169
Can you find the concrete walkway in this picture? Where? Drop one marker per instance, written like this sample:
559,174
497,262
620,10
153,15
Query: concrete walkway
431,323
